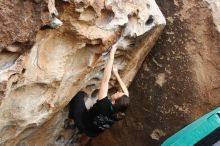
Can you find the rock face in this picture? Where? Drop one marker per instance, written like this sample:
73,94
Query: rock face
41,69
20,20
179,80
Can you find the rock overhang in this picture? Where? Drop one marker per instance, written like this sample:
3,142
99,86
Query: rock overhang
41,81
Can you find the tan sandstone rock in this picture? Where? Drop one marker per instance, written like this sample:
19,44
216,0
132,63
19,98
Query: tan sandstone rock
37,82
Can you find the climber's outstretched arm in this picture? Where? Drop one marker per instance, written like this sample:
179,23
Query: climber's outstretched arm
107,74
123,86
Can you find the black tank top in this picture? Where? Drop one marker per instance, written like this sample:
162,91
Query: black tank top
99,117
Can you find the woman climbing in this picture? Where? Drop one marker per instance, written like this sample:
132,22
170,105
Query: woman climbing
103,114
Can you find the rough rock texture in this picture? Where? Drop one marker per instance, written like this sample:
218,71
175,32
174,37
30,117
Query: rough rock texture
20,20
179,80
215,7
42,69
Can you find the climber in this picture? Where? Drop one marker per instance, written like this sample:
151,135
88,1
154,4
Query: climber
106,111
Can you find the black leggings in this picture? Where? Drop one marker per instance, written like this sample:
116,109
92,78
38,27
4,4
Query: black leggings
77,109
78,112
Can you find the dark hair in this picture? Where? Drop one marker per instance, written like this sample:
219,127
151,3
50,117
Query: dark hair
121,104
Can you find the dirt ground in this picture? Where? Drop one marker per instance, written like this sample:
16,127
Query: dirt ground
178,82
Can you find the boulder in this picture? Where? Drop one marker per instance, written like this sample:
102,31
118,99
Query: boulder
41,68
178,82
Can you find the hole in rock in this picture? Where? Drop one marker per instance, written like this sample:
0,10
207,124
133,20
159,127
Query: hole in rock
94,42
23,71
44,27
14,83
90,86
133,14
20,47
95,93
1,96
106,17
1,93
88,15
7,59
150,20
95,79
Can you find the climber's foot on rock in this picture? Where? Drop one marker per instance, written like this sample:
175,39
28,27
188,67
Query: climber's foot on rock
69,124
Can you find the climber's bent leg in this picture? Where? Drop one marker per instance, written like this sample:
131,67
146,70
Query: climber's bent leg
77,109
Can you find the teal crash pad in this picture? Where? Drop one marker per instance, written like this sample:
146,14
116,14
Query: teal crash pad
193,133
